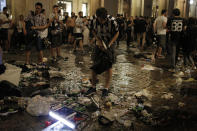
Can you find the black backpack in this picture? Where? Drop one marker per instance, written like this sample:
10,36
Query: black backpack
31,34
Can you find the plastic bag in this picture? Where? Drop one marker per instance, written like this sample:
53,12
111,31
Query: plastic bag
38,106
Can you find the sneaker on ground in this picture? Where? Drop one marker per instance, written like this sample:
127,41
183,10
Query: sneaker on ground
90,91
172,70
54,59
105,92
59,58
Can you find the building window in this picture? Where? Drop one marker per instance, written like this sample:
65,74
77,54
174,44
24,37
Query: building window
85,9
2,4
69,7
65,6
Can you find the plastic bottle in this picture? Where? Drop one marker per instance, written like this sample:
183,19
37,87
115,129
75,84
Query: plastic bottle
188,73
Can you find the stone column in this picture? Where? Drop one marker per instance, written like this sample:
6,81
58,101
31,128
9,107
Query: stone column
94,5
142,8
192,10
171,7
136,7
187,7
111,6
162,5
102,3
75,6
120,6
148,7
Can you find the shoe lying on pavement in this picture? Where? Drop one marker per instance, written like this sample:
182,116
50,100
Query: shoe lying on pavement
66,59
10,111
172,70
90,91
161,57
59,58
54,59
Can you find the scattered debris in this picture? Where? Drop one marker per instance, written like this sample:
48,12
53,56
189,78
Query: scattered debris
167,96
84,101
179,74
181,104
146,114
190,80
56,74
179,81
86,82
148,67
108,105
11,74
38,106
144,93
113,98
127,123
96,114
8,89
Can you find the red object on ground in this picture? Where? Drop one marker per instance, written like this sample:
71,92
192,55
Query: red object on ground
47,123
78,119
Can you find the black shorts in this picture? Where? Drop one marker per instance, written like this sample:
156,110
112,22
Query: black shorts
4,34
102,60
56,40
37,42
78,36
70,30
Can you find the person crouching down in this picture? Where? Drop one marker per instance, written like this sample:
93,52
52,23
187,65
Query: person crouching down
105,31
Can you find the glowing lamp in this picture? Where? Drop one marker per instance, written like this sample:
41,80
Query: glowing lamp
62,120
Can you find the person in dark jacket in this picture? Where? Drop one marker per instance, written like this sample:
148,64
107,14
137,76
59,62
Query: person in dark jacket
176,25
190,42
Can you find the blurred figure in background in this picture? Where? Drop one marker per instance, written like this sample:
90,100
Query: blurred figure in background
78,32
4,26
160,30
129,30
56,33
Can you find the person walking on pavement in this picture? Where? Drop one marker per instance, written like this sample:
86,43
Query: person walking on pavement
176,25
160,29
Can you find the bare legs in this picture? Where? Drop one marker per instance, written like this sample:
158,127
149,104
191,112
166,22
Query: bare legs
80,45
40,57
107,78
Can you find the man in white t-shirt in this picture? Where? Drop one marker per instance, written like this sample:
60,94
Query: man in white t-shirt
160,30
4,25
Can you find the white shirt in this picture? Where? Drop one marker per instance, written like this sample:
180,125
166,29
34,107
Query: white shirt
79,22
20,26
4,18
159,25
43,33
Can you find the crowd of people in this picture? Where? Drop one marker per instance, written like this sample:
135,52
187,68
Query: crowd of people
172,36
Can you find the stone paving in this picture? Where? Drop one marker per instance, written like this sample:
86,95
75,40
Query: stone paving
150,99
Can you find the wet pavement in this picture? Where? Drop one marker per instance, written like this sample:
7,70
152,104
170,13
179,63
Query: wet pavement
144,96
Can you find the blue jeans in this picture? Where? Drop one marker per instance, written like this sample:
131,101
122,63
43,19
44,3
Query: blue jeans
174,51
